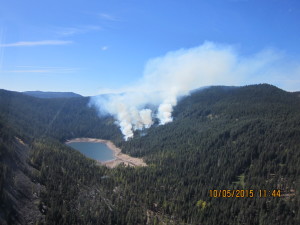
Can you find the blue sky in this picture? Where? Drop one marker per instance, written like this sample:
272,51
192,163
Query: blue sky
94,46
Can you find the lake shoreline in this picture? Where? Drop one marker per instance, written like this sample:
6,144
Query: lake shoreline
120,158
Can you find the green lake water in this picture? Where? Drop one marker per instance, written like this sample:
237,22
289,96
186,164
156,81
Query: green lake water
97,151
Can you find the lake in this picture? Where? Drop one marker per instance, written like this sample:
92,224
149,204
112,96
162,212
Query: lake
94,150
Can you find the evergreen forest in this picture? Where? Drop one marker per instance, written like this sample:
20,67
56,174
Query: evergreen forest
221,138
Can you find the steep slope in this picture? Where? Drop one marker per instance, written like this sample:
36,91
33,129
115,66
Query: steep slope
18,185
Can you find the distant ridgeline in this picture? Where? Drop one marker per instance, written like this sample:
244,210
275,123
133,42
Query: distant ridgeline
221,138
42,94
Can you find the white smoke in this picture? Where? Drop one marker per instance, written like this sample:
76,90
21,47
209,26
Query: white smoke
146,118
165,113
129,110
176,74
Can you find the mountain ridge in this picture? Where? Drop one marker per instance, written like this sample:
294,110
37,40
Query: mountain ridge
243,138
50,94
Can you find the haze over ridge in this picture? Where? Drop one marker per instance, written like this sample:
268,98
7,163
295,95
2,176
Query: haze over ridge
178,72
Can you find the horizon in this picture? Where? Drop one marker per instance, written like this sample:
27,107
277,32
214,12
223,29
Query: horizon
102,47
203,87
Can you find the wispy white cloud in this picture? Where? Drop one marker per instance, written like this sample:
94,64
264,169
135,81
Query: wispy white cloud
69,31
104,48
36,43
108,17
41,69
27,71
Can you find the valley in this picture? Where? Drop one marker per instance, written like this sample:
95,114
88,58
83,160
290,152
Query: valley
221,138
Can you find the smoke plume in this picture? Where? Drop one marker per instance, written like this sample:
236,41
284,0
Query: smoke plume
177,73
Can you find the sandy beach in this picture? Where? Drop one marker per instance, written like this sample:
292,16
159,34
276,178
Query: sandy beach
120,157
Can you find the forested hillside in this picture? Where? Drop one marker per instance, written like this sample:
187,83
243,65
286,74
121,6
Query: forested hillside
60,118
227,138
222,138
47,94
